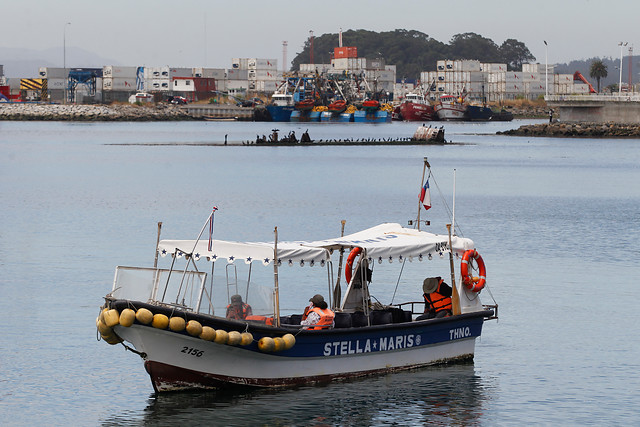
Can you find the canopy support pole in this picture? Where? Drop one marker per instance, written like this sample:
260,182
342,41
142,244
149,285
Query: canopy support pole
155,261
276,290
337,291
455,298
424,169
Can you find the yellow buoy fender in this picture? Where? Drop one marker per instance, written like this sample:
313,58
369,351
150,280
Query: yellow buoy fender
247,338
208,333
111,317
279,344
235,338
102,312
177,324
194,328
160,321
104,329
127,317
266,344
111,338
221,336
144,316
289,341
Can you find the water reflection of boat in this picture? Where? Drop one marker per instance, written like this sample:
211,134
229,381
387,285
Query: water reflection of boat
451,394
167,314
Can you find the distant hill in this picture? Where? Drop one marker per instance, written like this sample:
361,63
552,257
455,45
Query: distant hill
413,51
24,63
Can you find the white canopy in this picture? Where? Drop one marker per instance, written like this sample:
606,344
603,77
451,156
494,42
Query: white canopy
391,242
384,242
288,252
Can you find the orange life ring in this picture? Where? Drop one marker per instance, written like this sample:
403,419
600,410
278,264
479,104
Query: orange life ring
474,284
348,267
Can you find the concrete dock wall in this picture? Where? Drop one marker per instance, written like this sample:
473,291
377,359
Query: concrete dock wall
596,108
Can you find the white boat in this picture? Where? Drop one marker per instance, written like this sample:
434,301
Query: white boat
169,315
450,107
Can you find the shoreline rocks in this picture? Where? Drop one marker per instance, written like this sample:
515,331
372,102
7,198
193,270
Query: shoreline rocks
577,130
114,112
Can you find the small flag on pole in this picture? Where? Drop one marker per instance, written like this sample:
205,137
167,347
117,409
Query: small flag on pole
425,196
215,208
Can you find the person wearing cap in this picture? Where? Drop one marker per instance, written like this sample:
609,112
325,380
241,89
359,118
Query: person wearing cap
238,310
437,298
317,315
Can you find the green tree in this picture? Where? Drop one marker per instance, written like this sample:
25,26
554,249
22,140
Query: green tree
598,70
515,53
473,46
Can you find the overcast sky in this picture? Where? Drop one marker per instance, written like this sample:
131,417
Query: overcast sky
209,33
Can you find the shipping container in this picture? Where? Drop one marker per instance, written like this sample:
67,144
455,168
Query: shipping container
60,84
237,85
157,85
493,67
1,70
470,65
264,75
563,78
209,73
180,72
345,52
477,76
262,64
391,68
514,87
240,63
156,72
119,83
530,77
442,76
513,76
117,71
53,73
237,74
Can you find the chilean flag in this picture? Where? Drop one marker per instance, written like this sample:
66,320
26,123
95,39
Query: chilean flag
425,196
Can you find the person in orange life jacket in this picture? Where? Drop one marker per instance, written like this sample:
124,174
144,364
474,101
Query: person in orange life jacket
238,310
317,315
437,298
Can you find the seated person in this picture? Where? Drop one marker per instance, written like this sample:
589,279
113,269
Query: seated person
317,315
437,298
238,310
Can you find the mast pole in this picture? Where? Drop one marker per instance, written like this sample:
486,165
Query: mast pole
155,261
455,298
337,292
276,290
424,168
453,214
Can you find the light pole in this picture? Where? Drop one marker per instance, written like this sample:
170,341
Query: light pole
621,44
64,56
64,45
546,69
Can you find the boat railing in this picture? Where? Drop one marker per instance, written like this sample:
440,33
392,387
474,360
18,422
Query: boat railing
158,286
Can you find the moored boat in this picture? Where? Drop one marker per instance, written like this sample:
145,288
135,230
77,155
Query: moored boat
175,317
450,107
415,108
337,107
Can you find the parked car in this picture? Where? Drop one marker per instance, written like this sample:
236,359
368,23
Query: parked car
177,100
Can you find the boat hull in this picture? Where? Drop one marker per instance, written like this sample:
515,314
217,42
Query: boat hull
446,112
379,116
178,361
280,113
415,112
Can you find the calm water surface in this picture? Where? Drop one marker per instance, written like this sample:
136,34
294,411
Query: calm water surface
556,221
